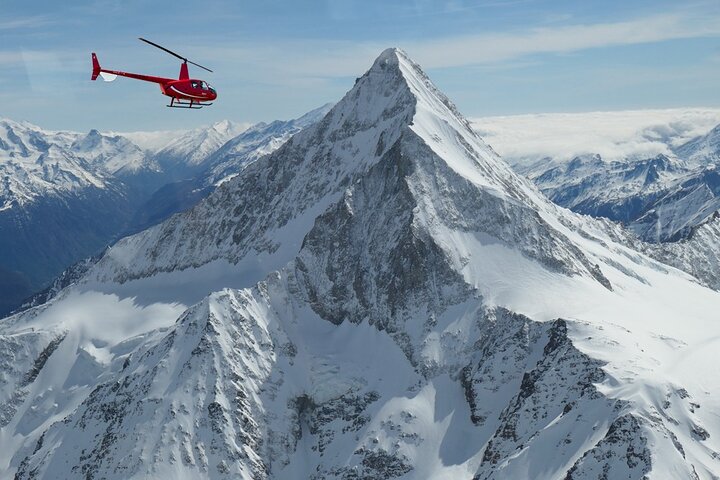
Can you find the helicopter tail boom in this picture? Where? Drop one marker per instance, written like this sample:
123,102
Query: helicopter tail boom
110,75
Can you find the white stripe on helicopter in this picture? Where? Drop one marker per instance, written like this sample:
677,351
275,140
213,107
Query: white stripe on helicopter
186,94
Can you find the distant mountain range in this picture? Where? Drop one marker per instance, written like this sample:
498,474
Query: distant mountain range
661,197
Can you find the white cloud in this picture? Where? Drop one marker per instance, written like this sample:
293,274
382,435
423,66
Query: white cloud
614,135
341,58
24,23
290,61
496,47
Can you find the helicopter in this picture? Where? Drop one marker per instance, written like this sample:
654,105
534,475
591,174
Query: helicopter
184,92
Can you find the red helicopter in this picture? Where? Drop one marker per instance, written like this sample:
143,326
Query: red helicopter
185,92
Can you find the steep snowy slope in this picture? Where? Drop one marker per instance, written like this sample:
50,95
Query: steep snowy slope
226,162
684,204
408,307
697,254
256,141
702,150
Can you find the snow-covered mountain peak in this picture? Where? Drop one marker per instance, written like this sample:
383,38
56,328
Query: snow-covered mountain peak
394,83
396,87
93,139
390,56
419,84
378,97
192,148
224,127
702,150
22,139
113,153
393,120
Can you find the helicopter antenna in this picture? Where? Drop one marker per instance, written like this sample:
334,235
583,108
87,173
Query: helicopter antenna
174,54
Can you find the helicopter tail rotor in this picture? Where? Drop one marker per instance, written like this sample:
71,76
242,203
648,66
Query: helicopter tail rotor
108,77
96,67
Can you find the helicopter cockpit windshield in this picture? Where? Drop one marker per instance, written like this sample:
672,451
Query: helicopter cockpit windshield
201,85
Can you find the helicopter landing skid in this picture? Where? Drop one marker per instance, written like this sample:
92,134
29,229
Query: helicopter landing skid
175,103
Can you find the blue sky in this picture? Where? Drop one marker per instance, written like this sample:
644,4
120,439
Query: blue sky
278,59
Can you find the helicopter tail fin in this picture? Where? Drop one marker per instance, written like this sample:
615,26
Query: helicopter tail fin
96,67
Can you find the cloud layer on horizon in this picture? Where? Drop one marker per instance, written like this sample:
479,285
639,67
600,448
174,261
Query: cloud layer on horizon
613,135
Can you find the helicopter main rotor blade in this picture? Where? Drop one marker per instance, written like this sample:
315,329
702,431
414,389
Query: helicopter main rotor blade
173,53
198,65
163,48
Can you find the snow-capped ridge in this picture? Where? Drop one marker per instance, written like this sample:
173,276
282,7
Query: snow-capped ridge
89,141
192,148
314,115
223,126
254,142
703,150
113,154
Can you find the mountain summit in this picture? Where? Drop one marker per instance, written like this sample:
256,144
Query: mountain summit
261,216
402,305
